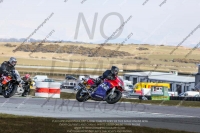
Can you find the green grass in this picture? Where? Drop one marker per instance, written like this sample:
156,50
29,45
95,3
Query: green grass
26,124
167,103
65,95
32,92
182,103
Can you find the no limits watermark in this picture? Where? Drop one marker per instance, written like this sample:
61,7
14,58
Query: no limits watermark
83,1
37,28
163,3
44,40
145,2
159,5
191,33
72,105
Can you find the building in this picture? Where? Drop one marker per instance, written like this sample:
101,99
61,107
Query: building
197,79
177,83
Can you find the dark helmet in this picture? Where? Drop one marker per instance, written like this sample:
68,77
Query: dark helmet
12,61
114,70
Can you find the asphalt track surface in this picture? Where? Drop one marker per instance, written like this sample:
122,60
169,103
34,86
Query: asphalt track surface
169,117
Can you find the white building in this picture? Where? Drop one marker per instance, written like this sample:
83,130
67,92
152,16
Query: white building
177,83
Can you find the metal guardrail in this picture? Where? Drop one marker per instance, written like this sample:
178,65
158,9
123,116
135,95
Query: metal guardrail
176,98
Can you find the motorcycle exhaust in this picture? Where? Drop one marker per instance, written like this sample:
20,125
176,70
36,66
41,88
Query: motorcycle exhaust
83,87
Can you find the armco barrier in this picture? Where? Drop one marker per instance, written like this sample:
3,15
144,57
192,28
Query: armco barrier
177,98
47,89
148,97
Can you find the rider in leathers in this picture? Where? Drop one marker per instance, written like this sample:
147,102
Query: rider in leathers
8,66
27,83
108,74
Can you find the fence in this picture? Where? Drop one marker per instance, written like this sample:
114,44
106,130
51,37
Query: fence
177,98
42,73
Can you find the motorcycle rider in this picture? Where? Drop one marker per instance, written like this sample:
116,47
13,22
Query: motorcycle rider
27,83
7,67
108,74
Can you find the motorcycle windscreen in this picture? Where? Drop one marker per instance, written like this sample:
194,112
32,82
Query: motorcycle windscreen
101,90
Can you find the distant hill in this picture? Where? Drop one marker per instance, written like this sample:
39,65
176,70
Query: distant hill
70,49
37,40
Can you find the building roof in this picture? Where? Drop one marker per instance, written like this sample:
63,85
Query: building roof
148,73
173,78
161,76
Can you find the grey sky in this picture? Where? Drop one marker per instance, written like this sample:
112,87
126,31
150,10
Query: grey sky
150,23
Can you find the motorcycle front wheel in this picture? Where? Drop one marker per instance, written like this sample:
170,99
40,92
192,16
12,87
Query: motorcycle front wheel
114,98
82,97
9,90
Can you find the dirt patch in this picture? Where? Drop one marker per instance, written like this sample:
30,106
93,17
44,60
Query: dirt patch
55,48
142,48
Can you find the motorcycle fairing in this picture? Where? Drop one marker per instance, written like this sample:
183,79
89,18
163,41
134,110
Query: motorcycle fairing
101,90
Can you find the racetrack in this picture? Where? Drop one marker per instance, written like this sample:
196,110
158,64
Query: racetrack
60,108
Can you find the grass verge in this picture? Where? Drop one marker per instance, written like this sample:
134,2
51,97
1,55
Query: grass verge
167,103
181,103
26,124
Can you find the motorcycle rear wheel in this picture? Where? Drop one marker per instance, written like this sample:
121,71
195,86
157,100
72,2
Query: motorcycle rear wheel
113,100
7,94
82,98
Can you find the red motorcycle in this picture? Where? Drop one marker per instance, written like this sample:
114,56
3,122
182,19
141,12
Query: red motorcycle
109,91
9,84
